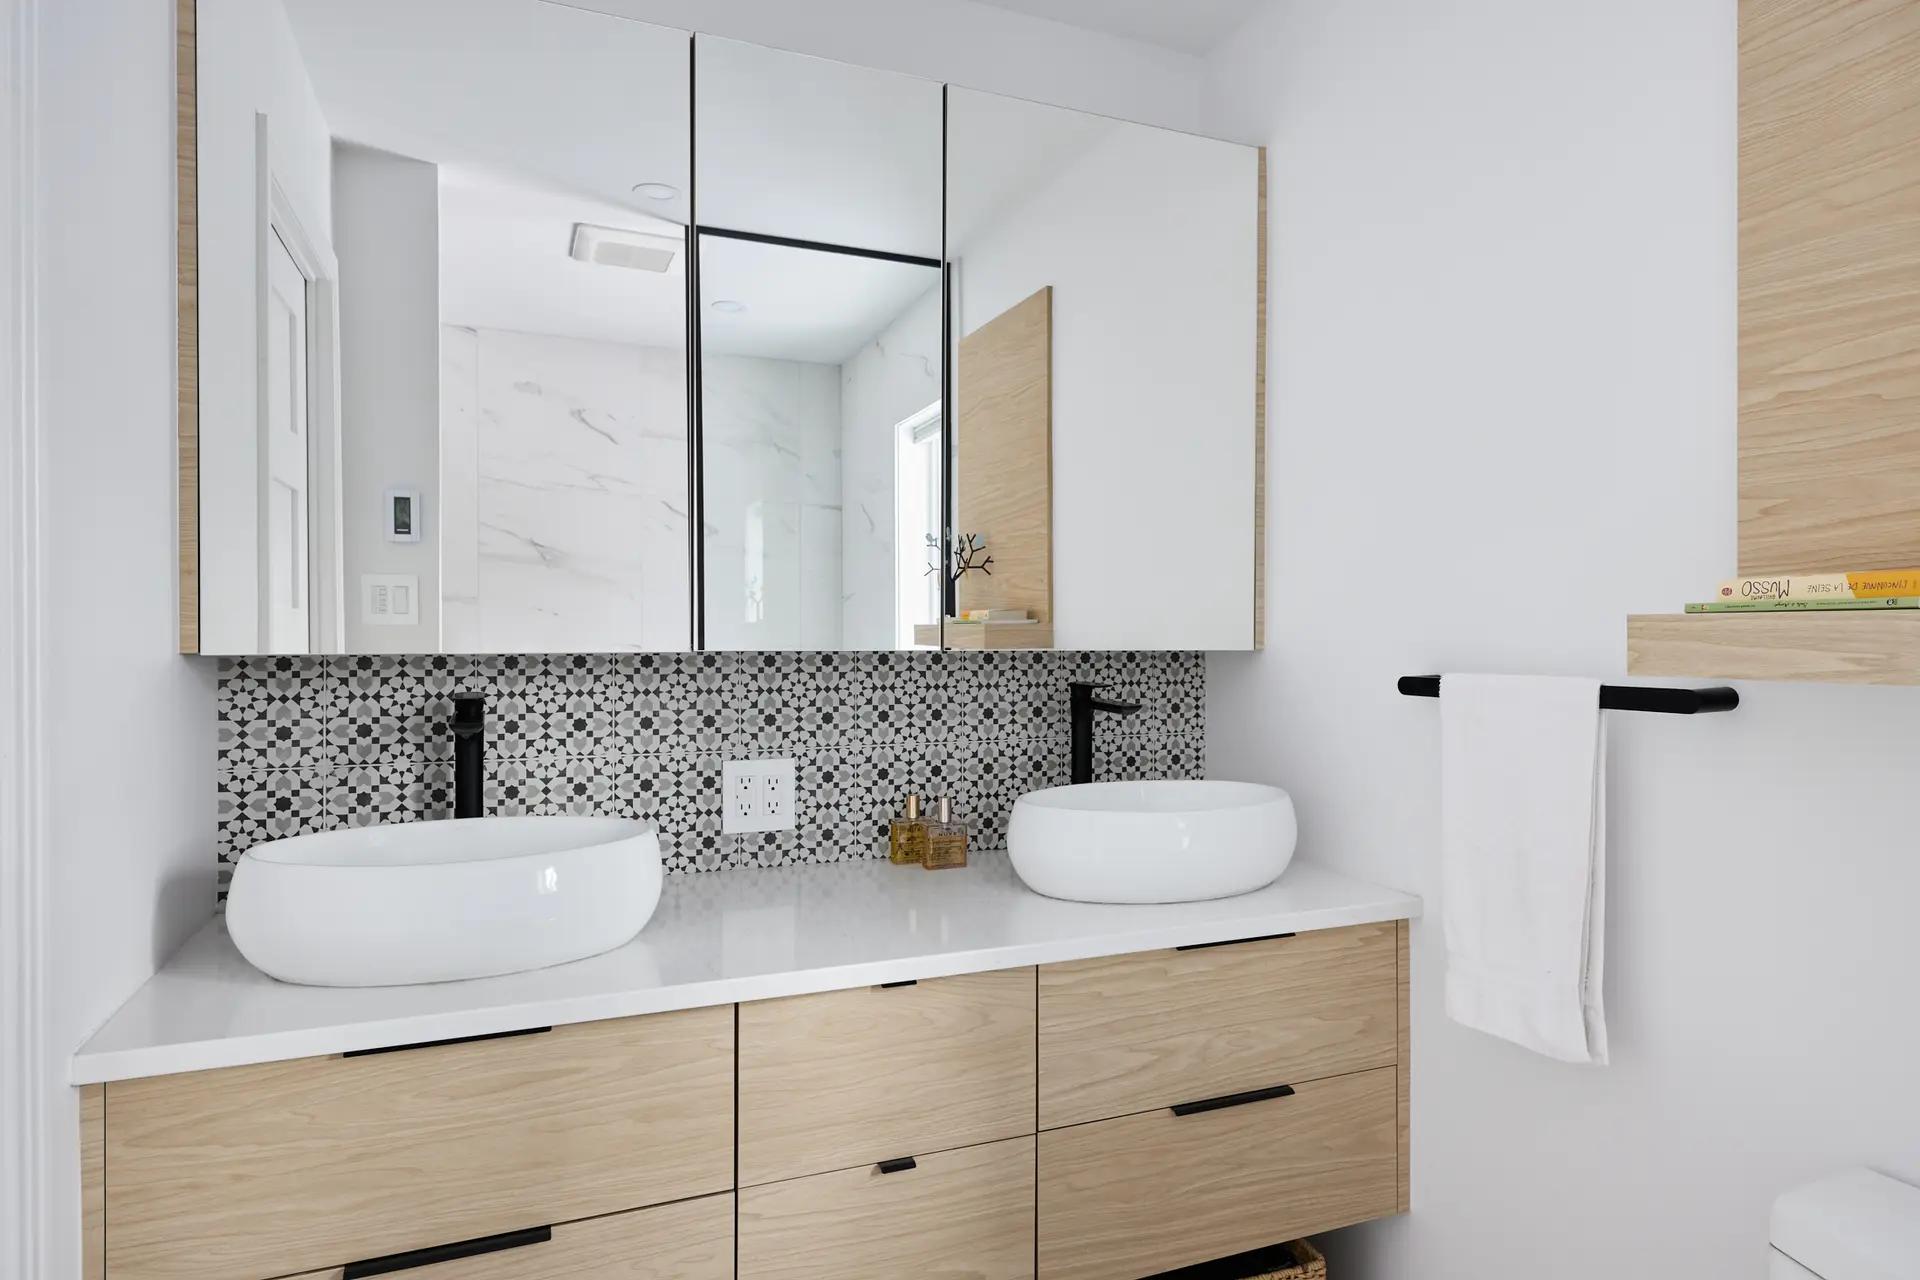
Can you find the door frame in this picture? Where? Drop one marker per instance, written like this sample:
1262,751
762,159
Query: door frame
313,255
29,1169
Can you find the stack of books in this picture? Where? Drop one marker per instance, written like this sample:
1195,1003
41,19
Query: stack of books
1816,592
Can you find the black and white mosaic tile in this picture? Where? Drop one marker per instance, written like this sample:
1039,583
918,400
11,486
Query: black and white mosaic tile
317,744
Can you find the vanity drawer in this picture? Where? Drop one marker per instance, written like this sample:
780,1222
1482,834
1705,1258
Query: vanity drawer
847,1078
965,1213
1151,1192
1130,1033
691,1240
265,1170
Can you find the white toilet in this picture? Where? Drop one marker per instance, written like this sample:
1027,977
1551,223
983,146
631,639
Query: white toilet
1859,1225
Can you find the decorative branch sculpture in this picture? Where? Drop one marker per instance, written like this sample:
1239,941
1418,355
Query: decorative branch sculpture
970,555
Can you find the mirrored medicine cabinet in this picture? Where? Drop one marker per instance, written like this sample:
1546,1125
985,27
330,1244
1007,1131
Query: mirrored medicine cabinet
517,327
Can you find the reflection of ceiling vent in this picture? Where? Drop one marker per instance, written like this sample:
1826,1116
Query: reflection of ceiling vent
613,247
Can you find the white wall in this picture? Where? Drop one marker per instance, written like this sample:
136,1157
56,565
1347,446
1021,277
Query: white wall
124,741
248,65
386,220
960,41
884,383
1503,417
1149,241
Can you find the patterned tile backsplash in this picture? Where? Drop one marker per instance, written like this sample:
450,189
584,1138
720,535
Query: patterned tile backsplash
314,744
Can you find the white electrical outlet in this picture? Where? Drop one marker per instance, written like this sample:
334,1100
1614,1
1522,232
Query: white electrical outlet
776,800
756,795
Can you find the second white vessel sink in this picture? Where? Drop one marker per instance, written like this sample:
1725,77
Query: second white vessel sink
437,901
1156,841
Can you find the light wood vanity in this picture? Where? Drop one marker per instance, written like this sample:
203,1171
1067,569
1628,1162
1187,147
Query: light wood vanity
1103,1118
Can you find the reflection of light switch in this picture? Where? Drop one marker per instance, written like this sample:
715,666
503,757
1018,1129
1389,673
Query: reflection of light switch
389,599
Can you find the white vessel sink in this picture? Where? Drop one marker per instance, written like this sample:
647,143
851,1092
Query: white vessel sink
1170,841
436,901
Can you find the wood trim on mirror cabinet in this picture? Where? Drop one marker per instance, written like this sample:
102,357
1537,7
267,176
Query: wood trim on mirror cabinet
187,314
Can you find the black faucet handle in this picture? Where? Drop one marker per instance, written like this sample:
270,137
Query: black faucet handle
469,713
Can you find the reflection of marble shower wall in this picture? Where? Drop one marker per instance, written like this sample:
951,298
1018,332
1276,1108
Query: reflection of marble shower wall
886,382
565,516
772,470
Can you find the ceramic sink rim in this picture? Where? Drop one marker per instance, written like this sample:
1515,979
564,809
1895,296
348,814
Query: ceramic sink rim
411,903
1152,841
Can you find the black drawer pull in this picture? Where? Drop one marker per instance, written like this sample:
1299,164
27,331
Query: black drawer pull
1232,942
901,1165
910,982
446,1253
1231,1100
435,1044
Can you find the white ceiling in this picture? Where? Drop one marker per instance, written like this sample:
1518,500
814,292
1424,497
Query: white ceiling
1190,26
504,265
801,304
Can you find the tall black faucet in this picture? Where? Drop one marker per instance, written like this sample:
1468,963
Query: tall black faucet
469,755
1085,707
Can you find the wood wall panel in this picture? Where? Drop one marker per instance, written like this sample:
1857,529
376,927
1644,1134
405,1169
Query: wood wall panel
1829,285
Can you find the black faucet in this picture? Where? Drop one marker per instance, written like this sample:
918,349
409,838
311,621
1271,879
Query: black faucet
1085,707
469,755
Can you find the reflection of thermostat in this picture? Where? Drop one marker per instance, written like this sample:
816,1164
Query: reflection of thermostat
403,515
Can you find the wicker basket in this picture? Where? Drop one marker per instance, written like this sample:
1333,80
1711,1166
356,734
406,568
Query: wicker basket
1298,1260
1307,1264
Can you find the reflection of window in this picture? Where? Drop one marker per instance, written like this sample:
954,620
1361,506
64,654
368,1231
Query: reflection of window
916,518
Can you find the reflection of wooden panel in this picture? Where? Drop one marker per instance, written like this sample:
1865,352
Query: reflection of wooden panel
187,311
1829,286
979,635
1003,460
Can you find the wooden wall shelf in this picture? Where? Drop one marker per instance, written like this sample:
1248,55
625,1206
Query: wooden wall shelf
1832,648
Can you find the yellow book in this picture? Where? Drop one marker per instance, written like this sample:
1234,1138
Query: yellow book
1875,585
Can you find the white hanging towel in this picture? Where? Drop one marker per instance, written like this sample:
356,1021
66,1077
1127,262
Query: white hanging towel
1523,798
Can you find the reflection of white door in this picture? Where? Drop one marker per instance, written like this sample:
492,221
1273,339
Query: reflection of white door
284,613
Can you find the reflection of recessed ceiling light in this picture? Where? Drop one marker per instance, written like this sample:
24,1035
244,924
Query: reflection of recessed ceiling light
656,191
727,306
617,247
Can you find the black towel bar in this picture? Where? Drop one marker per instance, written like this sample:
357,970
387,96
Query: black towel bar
1619,697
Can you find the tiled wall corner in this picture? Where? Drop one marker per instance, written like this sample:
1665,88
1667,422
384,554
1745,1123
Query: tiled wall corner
315,744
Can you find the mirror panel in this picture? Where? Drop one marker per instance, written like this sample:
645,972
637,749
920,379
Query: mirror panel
1105,282
822,446
821,435
811,149
443,349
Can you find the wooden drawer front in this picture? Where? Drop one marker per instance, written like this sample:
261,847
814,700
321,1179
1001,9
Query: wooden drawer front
960,1215
1151,1192
293,1166
1131,1033
847,1078
691,1240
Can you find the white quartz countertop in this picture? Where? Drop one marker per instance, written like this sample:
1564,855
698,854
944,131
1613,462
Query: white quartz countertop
716,939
